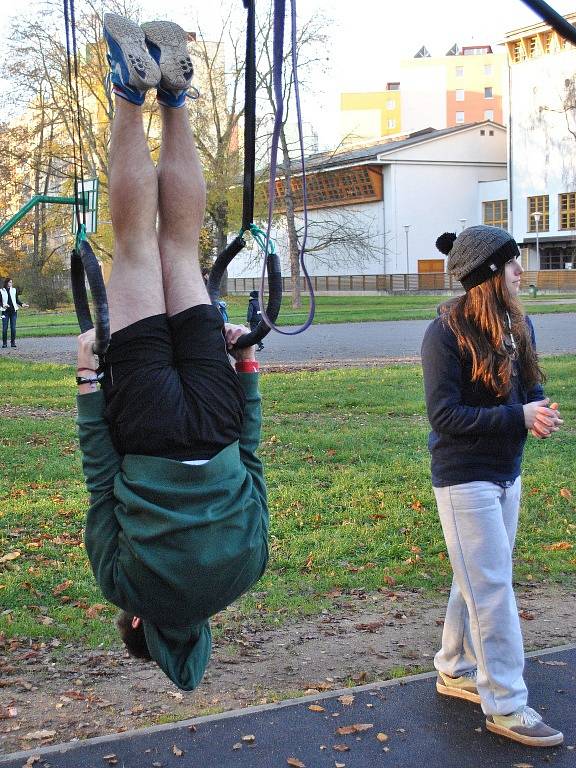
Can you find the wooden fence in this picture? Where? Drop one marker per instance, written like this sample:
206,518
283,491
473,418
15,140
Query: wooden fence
553,280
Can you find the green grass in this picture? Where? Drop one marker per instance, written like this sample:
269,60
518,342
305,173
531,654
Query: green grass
329,309
350,497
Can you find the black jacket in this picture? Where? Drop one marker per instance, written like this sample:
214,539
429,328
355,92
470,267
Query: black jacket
475,435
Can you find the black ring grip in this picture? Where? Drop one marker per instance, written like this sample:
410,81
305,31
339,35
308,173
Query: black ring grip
84,265
272,308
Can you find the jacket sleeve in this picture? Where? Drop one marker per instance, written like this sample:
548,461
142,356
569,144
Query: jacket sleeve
537,391
100,463
442,367
250,436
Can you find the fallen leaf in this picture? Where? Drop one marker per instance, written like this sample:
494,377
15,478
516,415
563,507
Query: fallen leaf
62,588
111,759
371,626
249,738
382,737
295,763
237,745
553,663
37,735
522,765
566,493
346,699
8,712
339,765
94,610
176,695
346,730
526,615
341,747
177,751
316,708
557,546
10,556
31,760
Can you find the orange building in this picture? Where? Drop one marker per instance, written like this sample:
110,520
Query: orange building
464,86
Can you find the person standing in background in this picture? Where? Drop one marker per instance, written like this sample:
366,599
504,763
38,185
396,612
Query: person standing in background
10,303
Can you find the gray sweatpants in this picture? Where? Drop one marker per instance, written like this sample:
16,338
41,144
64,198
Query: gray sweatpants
482,627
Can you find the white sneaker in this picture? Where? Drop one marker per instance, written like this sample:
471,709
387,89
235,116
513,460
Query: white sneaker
463,687
525,726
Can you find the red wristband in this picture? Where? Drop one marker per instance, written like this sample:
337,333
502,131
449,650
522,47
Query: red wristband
247,366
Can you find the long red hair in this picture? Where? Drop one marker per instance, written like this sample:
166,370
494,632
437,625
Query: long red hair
479,321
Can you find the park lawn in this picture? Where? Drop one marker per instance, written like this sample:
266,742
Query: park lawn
329,309
350,498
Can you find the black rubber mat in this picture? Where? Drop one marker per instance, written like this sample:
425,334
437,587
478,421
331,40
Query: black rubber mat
399,725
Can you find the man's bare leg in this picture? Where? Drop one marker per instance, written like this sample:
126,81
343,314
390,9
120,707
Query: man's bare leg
135,286
182,200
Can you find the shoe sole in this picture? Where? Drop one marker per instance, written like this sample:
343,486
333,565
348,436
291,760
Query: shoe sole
528,741
175,63
457,693
144,72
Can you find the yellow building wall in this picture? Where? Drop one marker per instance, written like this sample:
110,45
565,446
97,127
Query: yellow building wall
361,113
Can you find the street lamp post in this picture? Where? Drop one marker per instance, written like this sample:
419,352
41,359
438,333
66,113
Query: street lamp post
537,216
406,230
463,224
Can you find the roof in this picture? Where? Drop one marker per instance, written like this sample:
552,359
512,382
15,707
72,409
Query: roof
374,152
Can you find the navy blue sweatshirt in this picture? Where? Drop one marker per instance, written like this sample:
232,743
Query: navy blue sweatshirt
475,435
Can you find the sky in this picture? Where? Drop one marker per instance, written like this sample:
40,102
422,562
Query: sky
368,38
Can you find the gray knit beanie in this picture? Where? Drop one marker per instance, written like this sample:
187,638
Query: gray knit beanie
477,254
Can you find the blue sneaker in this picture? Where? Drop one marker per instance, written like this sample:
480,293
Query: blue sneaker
168,46
133,70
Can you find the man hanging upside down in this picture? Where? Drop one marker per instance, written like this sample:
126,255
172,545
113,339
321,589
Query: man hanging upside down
177,525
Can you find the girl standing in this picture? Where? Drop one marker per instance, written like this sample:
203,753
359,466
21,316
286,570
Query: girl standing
483,388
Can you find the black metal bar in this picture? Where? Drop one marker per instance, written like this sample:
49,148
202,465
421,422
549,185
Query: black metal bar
249,118
552,17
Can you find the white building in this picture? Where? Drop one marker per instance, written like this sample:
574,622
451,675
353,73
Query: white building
542,149
539,204
402,194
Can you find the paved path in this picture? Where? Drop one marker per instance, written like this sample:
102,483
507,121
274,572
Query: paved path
418,727
360,342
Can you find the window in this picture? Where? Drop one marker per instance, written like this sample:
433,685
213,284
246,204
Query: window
390,104
392,86
459,117
459,94
532,47
538,204
330,188
567,205
488,114
490,133
488,69
391,123
459,71
482,132
488,93
495,213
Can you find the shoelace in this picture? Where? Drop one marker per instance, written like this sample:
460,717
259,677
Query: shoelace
528,716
